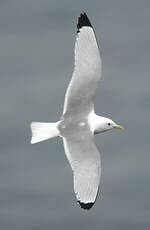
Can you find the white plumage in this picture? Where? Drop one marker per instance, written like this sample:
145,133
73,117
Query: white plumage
79,122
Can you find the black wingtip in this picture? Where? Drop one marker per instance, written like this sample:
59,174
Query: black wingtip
86,206
83,20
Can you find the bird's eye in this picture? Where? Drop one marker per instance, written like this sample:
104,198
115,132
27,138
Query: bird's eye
108,123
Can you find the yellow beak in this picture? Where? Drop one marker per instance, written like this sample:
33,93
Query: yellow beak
118,127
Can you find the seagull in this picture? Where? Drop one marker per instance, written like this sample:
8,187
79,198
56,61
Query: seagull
79,123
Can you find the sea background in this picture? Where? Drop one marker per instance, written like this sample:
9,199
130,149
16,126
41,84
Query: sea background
36,63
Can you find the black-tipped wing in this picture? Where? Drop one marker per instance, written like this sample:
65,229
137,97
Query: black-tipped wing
79,97
83,20
84,159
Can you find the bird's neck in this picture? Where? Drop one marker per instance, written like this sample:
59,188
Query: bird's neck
96,123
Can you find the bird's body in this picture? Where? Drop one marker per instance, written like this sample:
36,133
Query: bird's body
96,124
79,122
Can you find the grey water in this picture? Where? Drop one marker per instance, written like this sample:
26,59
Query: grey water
36,62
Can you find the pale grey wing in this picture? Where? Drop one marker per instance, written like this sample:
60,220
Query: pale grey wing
84,159
87,71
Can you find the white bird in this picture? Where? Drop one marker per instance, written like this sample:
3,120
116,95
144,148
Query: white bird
79,122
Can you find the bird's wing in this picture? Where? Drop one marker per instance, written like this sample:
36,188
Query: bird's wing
84,159
87,71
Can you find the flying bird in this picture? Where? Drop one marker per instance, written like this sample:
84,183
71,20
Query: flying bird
79,123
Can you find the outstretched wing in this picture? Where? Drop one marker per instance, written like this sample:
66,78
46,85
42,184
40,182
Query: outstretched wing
84,159
87,72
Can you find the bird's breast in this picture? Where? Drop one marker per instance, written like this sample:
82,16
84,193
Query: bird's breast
95,123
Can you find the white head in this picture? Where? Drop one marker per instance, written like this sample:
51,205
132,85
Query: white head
106,124
101,124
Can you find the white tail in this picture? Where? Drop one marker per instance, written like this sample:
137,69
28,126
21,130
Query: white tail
43,131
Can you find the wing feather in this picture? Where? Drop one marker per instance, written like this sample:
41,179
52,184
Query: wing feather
87,71
84,159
